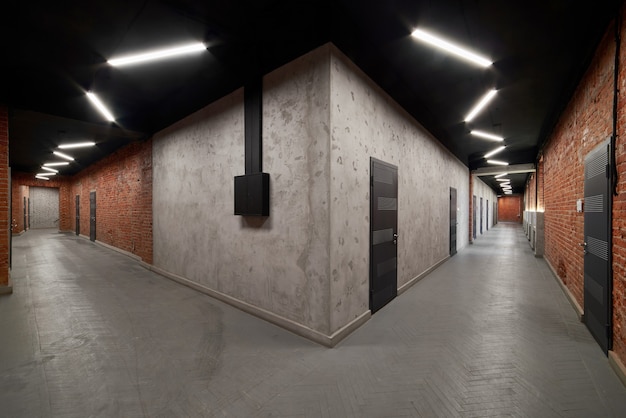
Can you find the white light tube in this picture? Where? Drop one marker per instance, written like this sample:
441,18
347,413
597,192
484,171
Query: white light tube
41,177
52,170
494,152
504,180
450,47
46,174
481,104
55,164
496,162
159,54
487,135
60,154
77,145
500,175
100,106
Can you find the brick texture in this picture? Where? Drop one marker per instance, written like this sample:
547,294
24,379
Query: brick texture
123,186
510,209
4,195
585,123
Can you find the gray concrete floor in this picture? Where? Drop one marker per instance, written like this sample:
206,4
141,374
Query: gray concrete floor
90,333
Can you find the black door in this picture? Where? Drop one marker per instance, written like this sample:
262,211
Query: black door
487,215
383,233
78,214
453,222
474,220
29,213
92,216
481,215
25,215
597,273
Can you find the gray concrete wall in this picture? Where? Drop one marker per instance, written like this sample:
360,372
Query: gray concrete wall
278,264
480,189
367,123
44,207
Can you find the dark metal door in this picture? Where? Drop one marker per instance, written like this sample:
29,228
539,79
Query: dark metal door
487,215
383,233
474,220
481,215
77,214
29,213
92,216
597,299
25,215
453,222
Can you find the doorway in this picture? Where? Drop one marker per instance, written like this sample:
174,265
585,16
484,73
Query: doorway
383,233
453,221
92,216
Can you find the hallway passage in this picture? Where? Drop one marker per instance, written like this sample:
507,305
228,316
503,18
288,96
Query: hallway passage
89,332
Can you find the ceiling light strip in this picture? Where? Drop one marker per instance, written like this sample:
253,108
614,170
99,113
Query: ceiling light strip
42,177
77,145
100,106
487,135
57,164
481,105
159,54
64,156
52,170
494,152
496,162
450,47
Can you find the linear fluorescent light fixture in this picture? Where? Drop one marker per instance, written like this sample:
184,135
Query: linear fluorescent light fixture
158,54
58,164
500,175
77,145
481,105
487,135
451,48
496,162
52,170
46,174
504,180
41,177
64,156
494,152
100,106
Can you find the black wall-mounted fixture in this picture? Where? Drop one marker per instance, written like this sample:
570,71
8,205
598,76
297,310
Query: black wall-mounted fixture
252,190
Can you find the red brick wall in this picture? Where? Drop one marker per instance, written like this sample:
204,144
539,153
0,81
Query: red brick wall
510,209
585,123
4,195
123,186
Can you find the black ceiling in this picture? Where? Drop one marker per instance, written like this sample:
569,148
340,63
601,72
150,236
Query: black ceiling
52,52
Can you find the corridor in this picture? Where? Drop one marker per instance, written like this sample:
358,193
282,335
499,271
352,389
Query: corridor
89,332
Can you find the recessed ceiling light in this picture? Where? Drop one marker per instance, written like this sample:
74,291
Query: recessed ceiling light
65,156
41,177
487,135
450,47
480,105
496,162
494,152
100,106
52,170
56,164
158,54
77,145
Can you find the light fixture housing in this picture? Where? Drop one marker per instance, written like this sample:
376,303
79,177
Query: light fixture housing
484,101
77,145
494,152
450,47
41,177
486,135
496,162
56,164
52,170
46,174
100,106
64,156
157,54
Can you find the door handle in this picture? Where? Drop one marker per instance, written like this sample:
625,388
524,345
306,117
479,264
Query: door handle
395,239
584,245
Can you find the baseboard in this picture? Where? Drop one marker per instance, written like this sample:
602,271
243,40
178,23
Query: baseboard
572,300
108,246
419,277
8,289
618,366
288,324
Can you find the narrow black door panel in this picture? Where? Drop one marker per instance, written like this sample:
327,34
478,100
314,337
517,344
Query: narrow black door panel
77,214
452,221
383,233
92,216
597,288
